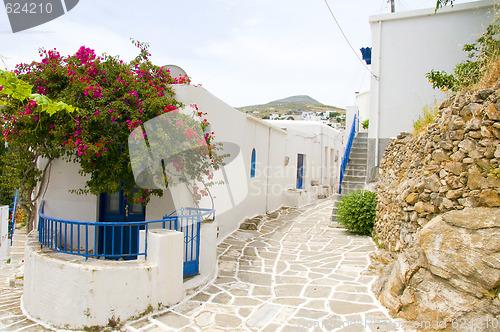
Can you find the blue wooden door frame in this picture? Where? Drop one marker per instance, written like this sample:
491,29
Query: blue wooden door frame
300,171
120,242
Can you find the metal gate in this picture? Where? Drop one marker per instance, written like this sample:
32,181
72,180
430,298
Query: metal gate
188,221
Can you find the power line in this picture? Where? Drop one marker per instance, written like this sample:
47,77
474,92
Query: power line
348,42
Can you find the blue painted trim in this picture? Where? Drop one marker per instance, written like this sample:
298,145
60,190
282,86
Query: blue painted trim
347,152
252,165
300,171
54,233
14,207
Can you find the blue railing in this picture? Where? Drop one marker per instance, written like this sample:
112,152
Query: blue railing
345,158
121,240
13,219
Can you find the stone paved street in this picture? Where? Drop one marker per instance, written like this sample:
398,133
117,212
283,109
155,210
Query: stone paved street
295,273
11,289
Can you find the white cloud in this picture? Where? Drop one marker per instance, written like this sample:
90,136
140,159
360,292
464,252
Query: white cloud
244,52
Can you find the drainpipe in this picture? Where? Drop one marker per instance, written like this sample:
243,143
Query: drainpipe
267,168
377,127
322,149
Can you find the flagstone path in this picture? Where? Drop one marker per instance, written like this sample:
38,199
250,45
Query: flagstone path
11,290
294,273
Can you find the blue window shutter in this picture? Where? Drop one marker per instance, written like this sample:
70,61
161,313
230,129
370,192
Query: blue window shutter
366,52
252,166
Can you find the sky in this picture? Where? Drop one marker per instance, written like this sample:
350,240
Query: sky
244,52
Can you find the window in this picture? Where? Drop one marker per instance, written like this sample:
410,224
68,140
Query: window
300,171
252,166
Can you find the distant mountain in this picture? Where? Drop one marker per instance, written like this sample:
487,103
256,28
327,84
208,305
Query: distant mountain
302,99
290,106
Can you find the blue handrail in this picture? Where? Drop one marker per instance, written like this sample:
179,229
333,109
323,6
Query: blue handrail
14,207
75,237
345,158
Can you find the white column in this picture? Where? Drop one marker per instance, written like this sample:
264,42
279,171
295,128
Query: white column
165,250
4,232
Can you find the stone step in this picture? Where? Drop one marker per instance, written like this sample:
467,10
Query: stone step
351,172
359,151
17,248
357,161
358,154
355,171
359,145
350,187
356,166
358,142
353,179
362,135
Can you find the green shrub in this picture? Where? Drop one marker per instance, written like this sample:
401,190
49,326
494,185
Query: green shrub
356,211
365,124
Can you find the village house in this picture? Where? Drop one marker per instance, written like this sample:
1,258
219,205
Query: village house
272,164
399,89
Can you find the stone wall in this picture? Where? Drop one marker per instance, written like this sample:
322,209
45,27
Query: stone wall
446,167
450,273
438,217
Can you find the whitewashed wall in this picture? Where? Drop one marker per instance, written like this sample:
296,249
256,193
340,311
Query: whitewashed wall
59,201
69,292
274,183
363,104
406,46
4,232
277,144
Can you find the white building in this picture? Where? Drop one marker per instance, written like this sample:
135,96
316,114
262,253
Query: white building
310,116
406,46
272,164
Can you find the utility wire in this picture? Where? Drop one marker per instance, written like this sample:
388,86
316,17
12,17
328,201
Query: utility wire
348,42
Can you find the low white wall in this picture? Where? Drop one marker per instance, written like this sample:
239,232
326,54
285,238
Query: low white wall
4,232
208,248
70,292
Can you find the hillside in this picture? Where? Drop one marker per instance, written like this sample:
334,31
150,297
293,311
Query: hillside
294,105
302,99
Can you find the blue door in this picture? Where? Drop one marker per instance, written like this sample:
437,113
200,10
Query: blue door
300,171
119,241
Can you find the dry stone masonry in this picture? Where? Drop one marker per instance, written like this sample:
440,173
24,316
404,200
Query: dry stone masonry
447,167
438,216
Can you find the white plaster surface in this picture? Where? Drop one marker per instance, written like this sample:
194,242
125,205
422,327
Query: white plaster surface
65,291
4,232
408,45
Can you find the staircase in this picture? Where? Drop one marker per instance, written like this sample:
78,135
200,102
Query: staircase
355,174
17,249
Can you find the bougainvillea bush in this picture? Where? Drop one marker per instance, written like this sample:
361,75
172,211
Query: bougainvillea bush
82,108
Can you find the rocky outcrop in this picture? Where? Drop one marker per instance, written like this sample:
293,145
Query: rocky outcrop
447,167
438,215
450,272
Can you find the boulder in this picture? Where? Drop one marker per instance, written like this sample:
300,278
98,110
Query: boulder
450,271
